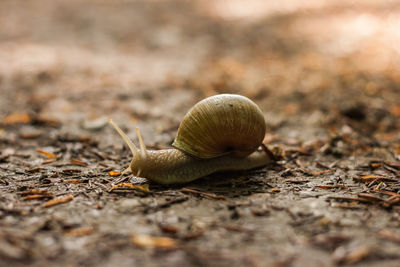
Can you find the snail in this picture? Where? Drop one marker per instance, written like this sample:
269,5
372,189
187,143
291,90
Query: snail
220,133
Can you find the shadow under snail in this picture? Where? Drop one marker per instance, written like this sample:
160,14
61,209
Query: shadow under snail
220,133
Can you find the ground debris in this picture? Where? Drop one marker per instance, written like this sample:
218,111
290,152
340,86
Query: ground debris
389,235
15,118
147,241
168,202
81,231
208,195
58,201
330,241
129,187
296,181
35,194
78,162
47,154
14,244
114,173
168,228
342,186
343,255
370,178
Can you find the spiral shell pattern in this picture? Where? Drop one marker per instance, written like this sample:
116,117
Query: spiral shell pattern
220,125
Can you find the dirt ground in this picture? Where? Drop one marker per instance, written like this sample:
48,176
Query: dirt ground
325,73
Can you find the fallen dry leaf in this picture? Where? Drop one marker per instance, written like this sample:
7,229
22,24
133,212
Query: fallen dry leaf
47,154
48,161
357,255
343,256
30,135
74,181
389,235
144,188
369,197
371,177
387,192
78,162
147,241
170,229
15,118
395,110
57,201
81,231
114,173
35,192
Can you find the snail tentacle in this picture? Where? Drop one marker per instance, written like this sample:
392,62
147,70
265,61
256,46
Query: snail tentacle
128,141
127,170
143,150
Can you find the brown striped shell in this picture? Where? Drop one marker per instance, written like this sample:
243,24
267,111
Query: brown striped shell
219,125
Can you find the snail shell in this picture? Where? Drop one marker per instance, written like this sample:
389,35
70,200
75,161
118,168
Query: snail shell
219,133
220,125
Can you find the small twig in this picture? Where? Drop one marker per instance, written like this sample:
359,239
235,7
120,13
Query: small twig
105,188
294,181
331,186
387,192
370,178
193,191
120,180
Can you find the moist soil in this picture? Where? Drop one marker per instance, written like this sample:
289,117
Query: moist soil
325,74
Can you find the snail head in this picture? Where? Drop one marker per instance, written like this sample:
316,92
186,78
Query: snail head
139,155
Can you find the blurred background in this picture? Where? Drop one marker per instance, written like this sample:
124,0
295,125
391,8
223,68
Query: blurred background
306,63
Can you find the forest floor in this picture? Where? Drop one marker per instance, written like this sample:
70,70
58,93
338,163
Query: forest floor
326,75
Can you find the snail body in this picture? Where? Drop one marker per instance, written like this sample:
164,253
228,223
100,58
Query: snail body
220,133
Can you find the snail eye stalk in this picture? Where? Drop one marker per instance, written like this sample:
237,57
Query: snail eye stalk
141,143
128,141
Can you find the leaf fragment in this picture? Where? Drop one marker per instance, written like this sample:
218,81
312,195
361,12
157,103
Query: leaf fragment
35,192
15,118
58,201
47,154
78,162
395,110
394,194
147,241
81,231
114,173
74,181
144,188
343,256
389,235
